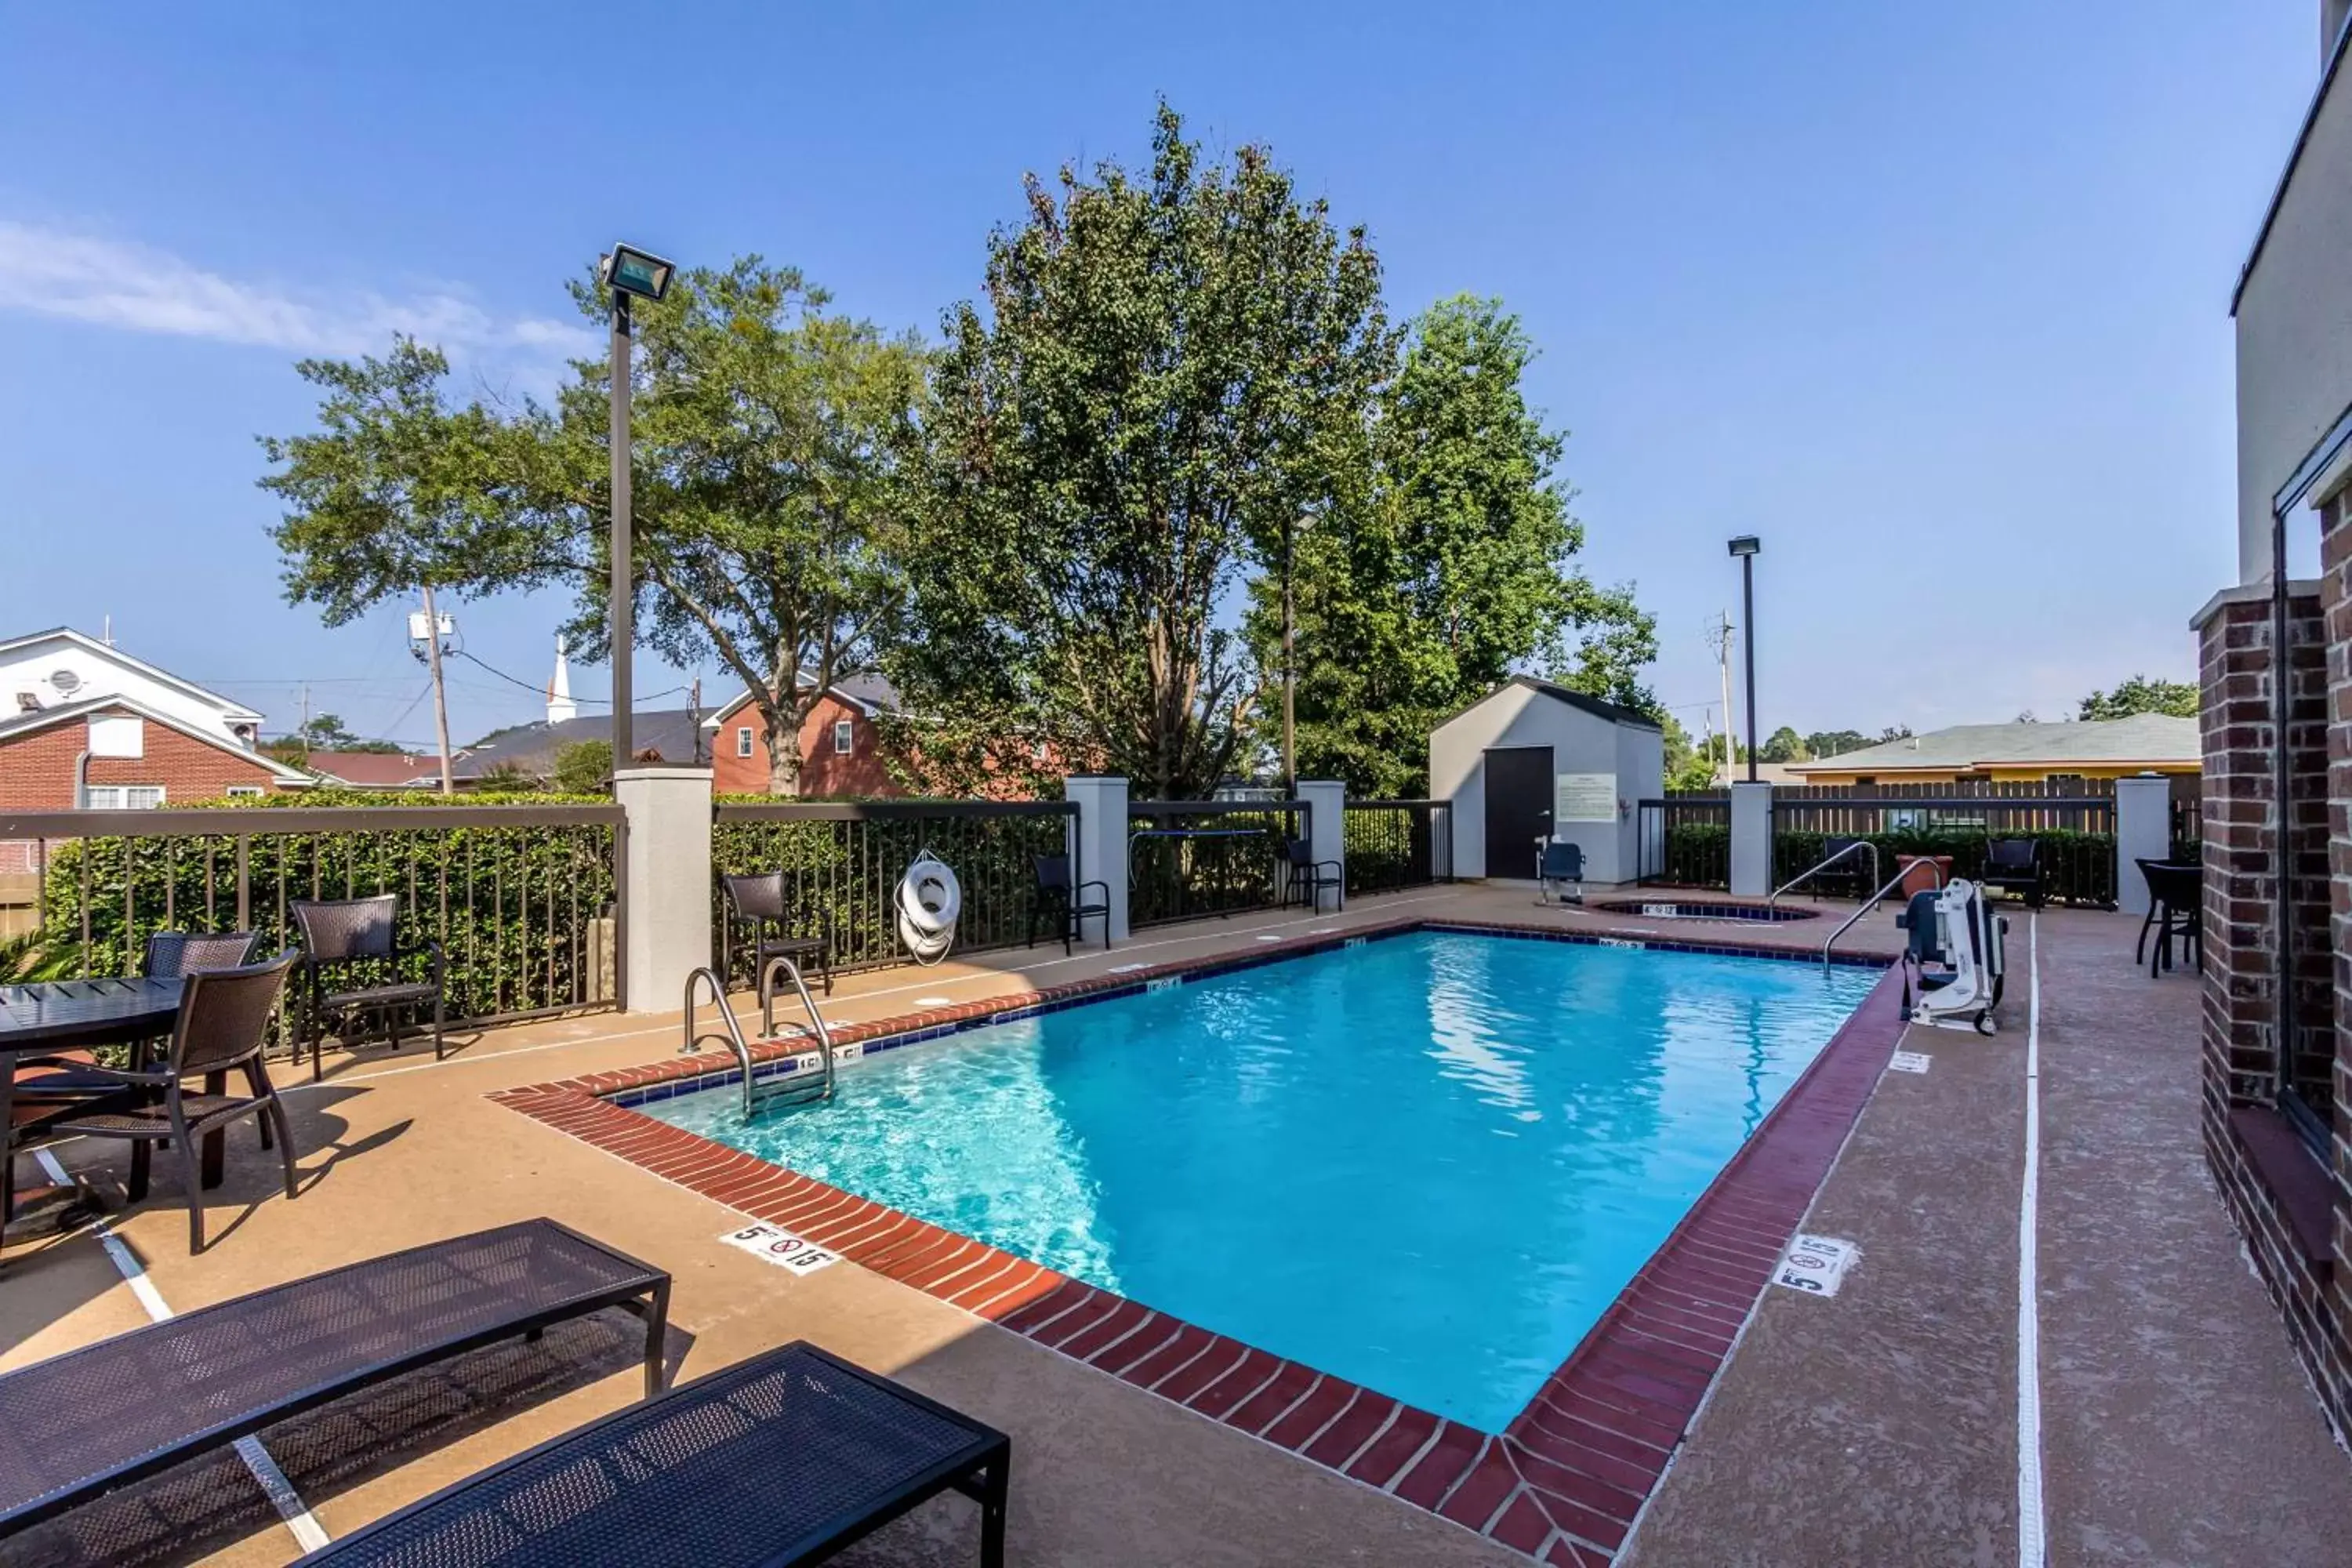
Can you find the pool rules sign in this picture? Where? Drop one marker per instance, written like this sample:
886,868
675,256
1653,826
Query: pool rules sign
773,1243
1584,797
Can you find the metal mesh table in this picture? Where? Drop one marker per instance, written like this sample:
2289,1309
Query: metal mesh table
83,1423
780,1459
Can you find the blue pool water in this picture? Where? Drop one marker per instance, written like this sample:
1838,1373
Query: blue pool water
1425,1163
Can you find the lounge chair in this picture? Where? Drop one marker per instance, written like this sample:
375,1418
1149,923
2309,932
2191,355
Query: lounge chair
2014,865
1559,864
1058,904
783,1458
83,1424
1307,877
340,933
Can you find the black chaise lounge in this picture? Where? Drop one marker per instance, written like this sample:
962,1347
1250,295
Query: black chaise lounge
783,1458
79,1425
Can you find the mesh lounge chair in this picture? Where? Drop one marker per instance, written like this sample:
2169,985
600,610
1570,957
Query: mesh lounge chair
1559,864
760,903
223,1023
1308,876
2015,866
340,935
1057,902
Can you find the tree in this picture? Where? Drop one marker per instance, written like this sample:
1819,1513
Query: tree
2142,694
397,493
1688,767
584,767
768,436
1172,366
1824,743
324,733
1784,745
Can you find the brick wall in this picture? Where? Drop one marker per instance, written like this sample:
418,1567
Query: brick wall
2296,1211
858,773
36,769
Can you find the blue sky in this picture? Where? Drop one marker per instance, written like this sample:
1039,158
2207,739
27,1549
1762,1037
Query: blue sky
1933,298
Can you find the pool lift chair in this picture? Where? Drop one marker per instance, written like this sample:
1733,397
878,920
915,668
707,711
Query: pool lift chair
1951,929
1558,864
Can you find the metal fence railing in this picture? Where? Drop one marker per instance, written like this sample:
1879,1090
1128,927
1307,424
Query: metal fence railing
524,900
1396,843
1189,858
1684,841
842,862
2076,832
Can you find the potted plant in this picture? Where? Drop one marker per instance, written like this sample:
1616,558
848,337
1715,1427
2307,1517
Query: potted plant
1918,854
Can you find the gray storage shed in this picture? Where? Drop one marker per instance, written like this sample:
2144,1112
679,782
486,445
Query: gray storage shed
1532,760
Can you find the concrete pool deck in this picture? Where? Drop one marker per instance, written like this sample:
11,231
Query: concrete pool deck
396,1153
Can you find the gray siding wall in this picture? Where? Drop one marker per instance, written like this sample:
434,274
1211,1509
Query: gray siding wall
1580,742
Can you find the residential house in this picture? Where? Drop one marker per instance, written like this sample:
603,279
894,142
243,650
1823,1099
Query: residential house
2058,754
840,752
2276,671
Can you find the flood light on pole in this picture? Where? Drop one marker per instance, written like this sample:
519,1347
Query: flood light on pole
1745,548
629,273
639,272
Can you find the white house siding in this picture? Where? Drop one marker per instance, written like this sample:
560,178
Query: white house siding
30,666
1580,742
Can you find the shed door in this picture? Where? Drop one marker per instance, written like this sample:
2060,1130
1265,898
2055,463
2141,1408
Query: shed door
1518,809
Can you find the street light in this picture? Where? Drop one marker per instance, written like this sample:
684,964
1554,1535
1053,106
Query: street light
628,273
1746,547
1289,665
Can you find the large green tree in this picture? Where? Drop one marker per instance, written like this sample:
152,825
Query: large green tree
1167,366
2143,694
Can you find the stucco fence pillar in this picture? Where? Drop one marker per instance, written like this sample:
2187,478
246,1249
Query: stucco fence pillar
1751,840
665,874
1327,830
1098,841
2143,832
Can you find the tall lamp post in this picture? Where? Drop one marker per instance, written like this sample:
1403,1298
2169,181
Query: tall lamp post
629,273
1746,547
1289,668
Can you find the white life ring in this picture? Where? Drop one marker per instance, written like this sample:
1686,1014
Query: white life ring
929,899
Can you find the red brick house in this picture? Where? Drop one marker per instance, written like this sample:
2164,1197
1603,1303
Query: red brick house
116,753
841,753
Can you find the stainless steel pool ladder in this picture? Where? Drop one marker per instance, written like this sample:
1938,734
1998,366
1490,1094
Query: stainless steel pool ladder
793,1089
1859,844
1872,903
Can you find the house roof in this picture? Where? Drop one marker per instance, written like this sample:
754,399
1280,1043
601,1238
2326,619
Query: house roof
17,724
869,694
1614,713
532,747
376,770
2154,739
83,640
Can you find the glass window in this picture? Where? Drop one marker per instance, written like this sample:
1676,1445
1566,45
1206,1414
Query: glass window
845,736
743,742
125,797
239,791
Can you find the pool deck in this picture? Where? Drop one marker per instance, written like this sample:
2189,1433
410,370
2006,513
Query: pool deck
1882,1422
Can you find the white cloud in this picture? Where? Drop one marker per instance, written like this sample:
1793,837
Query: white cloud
135,288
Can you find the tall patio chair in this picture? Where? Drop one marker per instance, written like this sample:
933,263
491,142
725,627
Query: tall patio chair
224,1023
2176,898
340,935
1308,876
777,929
1054,898
2015,864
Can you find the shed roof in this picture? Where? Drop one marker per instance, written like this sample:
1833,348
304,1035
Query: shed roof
1615,714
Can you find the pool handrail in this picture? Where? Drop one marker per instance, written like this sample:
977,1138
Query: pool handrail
1872,901
1825,865
706,978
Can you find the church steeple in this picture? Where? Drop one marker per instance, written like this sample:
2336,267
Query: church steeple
560,706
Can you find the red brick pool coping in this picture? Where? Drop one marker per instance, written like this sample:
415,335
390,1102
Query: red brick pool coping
1563,1483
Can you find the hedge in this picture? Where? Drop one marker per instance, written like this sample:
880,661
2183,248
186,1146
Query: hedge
2077,867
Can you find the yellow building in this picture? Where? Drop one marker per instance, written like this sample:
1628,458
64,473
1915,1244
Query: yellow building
2018,753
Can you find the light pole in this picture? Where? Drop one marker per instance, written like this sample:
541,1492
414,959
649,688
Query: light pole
628,273
1289,673
1744,547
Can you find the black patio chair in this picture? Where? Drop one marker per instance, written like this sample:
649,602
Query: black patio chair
778,930
2014,865
2176,900
1056,899
1308,876
340,935
1849,877
170,954
224,1023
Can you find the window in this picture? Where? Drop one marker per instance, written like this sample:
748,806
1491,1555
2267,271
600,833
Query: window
743,742
237,791
125,797
845,736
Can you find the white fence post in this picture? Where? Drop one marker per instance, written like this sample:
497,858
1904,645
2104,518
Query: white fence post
668,875
1327,825
1751,840
1100,839
2143,832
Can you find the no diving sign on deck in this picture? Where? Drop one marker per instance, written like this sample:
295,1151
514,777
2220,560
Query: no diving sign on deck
1815,1264
774,1245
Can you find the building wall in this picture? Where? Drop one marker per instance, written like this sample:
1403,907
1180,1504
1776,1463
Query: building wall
2294,328
36,769
825,774
28,668
1580,742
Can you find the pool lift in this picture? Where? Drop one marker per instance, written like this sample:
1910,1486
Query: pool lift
788,1081
1951,929
1558,864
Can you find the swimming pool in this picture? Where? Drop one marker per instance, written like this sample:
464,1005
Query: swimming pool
1425,1163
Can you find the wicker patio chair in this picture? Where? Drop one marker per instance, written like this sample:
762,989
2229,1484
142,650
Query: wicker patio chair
2175,900
341,934
1057,902
2014,864
224,1023
170,953
777,929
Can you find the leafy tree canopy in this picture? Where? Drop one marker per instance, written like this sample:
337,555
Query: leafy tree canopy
584,767
1784,745
2143,694
325,732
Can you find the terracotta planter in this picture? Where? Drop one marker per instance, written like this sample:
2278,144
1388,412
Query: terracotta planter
1917,876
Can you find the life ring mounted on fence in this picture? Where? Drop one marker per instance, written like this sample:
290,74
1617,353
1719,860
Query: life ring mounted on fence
929,899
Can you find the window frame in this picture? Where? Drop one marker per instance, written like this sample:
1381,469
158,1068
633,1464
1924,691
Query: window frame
119,796
743,740
845,736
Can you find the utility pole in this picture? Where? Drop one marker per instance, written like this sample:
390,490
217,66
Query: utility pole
694,717
440,694
305,731
1721,637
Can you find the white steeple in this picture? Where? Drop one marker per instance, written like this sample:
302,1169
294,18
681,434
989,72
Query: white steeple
560,706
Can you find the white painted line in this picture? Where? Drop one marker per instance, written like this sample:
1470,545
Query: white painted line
2032,1552
1910,1061
280,1492
934,1000
1125,968
774,1243
1269,938
1816,1265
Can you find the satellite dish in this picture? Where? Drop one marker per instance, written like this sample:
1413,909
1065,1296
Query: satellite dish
66,681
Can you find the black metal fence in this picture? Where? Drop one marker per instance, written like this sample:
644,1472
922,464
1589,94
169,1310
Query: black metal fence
1684,841
842,863
2076,832
524,900
1396,843
1188,858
